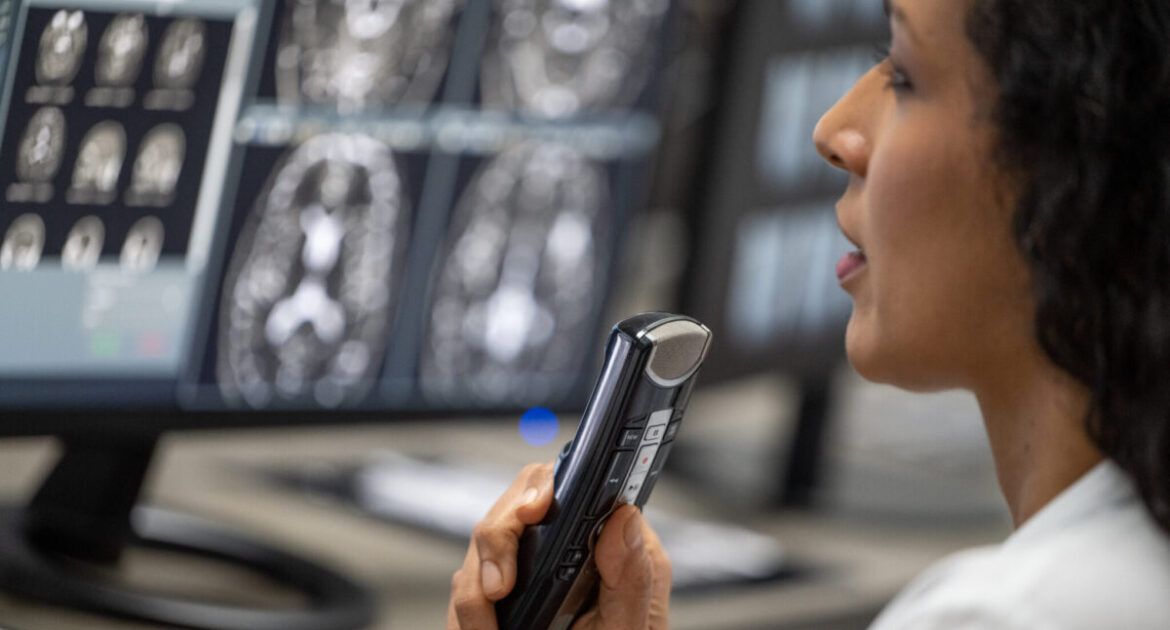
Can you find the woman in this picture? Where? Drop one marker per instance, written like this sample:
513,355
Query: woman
1009,196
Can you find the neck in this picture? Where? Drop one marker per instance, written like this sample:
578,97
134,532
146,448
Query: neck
1035,419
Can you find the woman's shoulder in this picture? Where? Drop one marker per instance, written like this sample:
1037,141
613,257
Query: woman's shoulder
1093,559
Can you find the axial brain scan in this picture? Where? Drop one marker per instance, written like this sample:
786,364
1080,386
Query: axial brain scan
23,243
360,54
62,47
306,305
83,246
520,279
99,162
556,58
42,146
121,50
180,59
159,162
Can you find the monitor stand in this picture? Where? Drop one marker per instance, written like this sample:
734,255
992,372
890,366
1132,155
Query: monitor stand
83,517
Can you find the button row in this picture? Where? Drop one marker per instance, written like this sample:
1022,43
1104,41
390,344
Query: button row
655,429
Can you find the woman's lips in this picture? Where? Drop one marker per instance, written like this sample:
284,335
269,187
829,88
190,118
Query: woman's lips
850,264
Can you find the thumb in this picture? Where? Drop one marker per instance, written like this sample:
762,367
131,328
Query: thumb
627,575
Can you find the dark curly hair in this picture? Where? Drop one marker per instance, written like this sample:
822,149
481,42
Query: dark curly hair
1083,119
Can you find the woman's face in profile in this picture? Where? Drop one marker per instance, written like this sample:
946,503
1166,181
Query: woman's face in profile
941,296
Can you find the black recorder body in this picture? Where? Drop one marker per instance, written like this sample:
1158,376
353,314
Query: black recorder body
621,444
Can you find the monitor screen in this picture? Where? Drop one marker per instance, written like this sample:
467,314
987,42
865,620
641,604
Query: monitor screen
766,238
244,209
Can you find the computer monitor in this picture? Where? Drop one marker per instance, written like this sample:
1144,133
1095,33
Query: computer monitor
223,213
765,239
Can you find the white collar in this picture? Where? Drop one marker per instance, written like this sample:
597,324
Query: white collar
1104,485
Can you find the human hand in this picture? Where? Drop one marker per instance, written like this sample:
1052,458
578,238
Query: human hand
635,572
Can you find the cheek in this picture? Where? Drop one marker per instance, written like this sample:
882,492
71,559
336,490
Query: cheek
926,230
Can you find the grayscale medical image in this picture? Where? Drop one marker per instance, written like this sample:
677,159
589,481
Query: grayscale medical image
158,165
557,58
99,162
41,146
520,278
180,56
62,48
363,54
121,50
83,246
309,293
23,243
143,245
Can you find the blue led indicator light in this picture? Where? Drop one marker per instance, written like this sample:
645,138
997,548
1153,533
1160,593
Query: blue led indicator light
539,426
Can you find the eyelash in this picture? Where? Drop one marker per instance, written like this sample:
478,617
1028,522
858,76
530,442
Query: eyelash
896,78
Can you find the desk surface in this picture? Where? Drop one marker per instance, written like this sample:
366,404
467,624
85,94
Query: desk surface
861,565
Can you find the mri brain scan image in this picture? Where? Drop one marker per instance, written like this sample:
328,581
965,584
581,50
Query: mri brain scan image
143,245
308,299
83,246
159,162
516,292
121,50
62,47
23,243
99,162
360,54
555,58
180,57
42,146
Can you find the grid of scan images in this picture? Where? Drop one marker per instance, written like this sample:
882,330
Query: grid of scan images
429,200
105,137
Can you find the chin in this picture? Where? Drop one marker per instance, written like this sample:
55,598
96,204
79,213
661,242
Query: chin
879,359
861,353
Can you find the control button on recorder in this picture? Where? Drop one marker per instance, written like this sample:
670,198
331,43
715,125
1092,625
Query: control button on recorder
567,573
671,431
613,482
630,438
645,458
633,487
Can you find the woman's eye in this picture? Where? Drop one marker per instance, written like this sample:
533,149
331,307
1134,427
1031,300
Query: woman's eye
897,79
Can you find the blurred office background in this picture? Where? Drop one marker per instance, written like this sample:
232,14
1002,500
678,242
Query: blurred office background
361,258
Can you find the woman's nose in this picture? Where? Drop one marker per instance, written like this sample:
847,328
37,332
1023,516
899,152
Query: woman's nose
840,137
843,146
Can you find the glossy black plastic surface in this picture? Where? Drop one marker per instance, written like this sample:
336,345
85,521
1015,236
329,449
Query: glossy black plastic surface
615,457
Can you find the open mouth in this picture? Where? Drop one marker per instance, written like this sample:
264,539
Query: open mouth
850,265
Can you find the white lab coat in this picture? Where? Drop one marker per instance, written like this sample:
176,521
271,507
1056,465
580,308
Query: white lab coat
1092,559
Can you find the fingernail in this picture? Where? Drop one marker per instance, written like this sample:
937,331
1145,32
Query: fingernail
529,496
633,532
492,580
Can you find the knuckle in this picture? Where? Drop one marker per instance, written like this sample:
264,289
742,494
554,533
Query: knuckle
500,541
493,541
465,604
482,533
